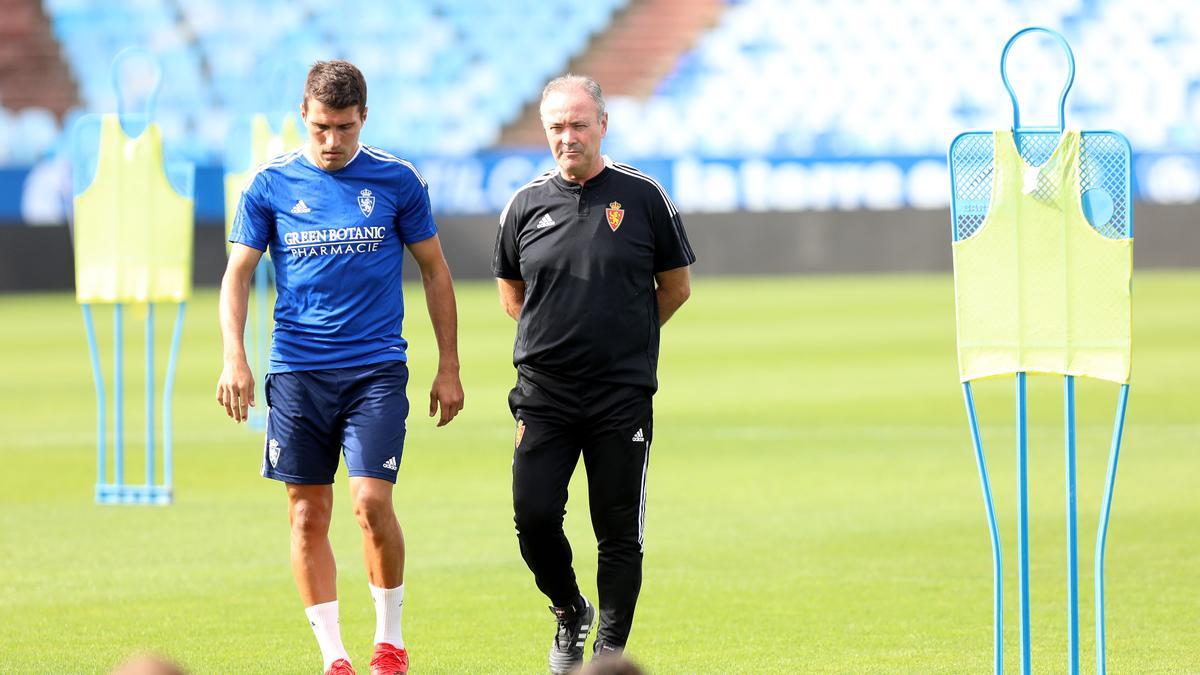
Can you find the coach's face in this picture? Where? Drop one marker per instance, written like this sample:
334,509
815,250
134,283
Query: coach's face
574,129
332,132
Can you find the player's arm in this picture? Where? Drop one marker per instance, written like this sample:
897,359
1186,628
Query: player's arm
512,296
673,289
447,391
235,388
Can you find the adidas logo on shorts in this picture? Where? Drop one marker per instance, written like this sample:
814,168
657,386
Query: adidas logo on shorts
639,437
390,465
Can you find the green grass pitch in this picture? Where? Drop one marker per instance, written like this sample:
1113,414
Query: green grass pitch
813,500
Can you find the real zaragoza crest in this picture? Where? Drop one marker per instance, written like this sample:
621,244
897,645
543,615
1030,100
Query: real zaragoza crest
366,202
615,215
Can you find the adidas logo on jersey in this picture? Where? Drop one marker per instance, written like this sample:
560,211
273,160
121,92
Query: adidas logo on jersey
546,221
301,207
639,437
390,465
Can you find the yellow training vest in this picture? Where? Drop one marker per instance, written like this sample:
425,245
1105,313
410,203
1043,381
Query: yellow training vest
1037,289
133,231
263,146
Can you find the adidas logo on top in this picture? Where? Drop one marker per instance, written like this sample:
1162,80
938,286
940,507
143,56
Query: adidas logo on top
301,207
390,465
546,221
639,437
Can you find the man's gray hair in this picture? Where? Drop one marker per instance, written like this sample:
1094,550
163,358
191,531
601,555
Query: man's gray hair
581,82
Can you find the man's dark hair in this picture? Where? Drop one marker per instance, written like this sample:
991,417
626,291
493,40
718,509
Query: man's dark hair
336,84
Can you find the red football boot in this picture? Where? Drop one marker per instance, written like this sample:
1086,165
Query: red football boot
389,660
340,667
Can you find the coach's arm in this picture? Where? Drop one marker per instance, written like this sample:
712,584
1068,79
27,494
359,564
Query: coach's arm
674,287
512,296
447,391
235,388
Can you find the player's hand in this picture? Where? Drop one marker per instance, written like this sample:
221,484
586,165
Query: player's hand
447,393
235,390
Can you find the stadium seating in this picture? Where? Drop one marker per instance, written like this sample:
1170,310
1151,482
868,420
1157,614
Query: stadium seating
444,75
773,78
884,77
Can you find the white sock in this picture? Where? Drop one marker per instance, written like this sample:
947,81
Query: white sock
389,605
324,621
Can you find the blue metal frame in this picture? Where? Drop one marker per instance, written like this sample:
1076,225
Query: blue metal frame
118,398
149,395
98,379
1023,520
1062,97
1072,528
1102,529
114,489
1109,155
165,494
993,528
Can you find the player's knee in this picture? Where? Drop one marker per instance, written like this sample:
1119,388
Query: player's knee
374,512
310,519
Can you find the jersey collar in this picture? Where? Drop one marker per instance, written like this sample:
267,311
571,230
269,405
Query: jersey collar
599,178
308,154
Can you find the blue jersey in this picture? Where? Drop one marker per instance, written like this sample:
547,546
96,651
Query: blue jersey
337,241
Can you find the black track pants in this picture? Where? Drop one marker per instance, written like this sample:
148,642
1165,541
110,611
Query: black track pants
612,426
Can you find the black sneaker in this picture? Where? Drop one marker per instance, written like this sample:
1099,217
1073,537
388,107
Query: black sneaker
602,650
574,624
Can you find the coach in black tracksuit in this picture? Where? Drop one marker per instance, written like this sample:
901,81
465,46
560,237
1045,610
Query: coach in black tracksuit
591,259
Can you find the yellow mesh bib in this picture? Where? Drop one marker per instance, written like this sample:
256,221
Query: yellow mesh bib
133,231
1037,289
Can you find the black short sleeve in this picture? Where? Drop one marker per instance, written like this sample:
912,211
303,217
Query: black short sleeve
506,262
671,246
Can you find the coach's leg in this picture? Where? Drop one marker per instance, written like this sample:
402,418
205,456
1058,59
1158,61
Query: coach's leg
309,510
617,459
544,458
383,540
545,451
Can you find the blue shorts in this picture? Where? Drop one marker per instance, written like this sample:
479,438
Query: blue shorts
313,415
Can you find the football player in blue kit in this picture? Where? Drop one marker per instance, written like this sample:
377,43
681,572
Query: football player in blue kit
336,216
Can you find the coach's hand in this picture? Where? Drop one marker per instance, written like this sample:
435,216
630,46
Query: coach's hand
447,392
235,389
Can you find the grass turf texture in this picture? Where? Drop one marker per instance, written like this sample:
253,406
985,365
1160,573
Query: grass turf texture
813,500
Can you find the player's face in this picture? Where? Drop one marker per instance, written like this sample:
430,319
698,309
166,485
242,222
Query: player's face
574,130
332,132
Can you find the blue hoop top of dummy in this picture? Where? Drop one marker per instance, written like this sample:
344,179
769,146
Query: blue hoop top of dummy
1062,97
134,122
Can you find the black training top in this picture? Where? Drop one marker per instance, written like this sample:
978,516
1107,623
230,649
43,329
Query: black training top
588,256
